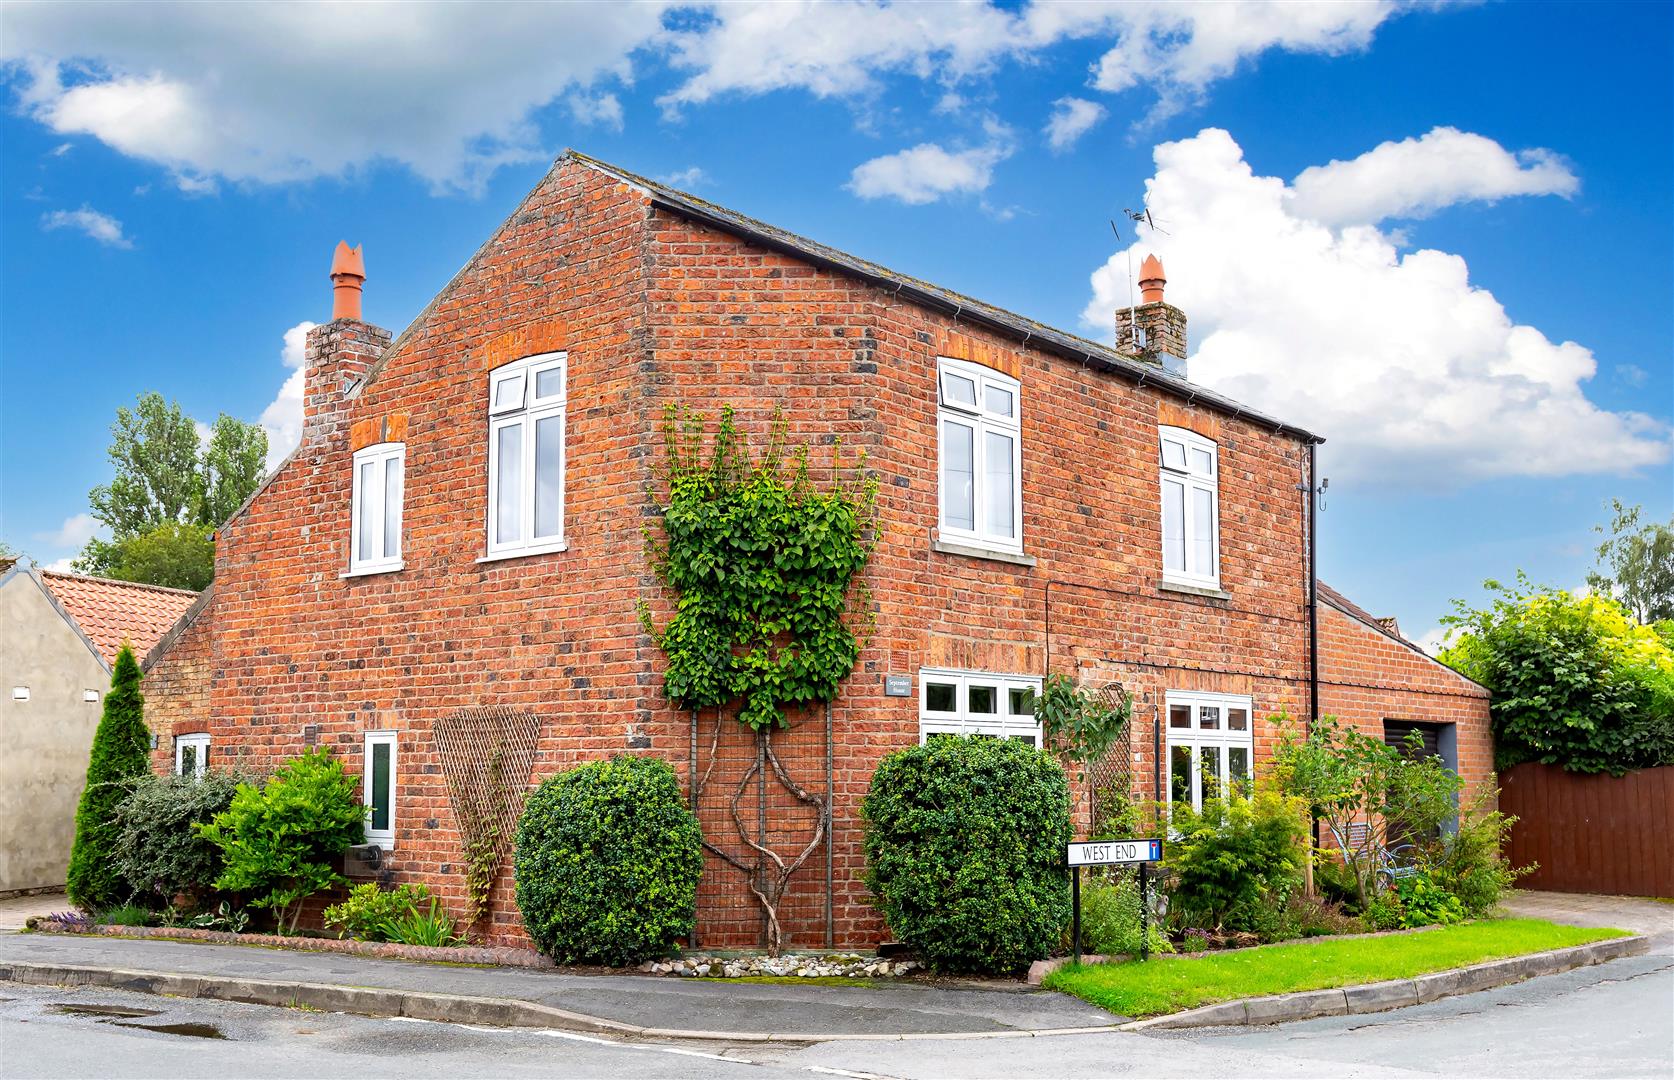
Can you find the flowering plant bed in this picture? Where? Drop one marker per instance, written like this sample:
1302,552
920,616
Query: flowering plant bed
789,965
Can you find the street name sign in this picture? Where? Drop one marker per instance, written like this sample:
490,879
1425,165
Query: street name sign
1115,852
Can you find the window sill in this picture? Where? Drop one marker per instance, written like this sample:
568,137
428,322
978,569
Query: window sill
1206,591
368,571
523,553
972,551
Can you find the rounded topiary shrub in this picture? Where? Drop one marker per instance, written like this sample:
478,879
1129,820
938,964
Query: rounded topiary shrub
607,862
965,841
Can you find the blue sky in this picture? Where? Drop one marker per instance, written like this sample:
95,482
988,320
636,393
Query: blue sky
1439,236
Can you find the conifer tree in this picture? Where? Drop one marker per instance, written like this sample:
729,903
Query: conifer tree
121,748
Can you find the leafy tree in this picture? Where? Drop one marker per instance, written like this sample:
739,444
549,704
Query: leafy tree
169,493
1636,564
281,840
178,555
1577,682
232,468
121,747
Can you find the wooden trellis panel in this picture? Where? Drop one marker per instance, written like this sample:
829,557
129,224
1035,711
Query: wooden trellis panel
487,755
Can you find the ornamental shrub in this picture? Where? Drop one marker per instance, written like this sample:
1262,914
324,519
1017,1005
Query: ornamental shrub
368,909
607,859
158,852
281,840
965,841
1235,858
1469,861
1424,903
1110,915
121,747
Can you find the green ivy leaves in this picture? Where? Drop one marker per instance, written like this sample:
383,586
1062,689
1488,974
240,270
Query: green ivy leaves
762,564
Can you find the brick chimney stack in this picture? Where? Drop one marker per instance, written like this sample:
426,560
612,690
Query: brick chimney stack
338,354
1154,331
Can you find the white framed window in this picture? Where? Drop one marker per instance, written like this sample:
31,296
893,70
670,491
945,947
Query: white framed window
1191,515
981,452
977,703
377,787
526,400
375,535
191,754
1211,746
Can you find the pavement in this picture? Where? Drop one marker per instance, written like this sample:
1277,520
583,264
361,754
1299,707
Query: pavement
16,911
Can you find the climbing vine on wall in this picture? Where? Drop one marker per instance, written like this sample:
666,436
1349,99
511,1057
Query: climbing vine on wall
762,561
763,564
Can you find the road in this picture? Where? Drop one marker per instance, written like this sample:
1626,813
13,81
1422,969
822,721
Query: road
1615,1020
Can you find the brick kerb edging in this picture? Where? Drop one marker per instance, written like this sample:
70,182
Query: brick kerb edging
502,1012
1397,993
497,955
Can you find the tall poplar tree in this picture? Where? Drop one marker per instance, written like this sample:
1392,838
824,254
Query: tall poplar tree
121,749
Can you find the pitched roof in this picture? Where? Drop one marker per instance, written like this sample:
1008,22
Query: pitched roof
110,612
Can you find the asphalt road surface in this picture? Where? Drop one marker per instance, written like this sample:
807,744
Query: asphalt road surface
1615,1020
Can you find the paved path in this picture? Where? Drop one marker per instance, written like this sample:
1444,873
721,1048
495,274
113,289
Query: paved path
646,1001
15,911
1579,909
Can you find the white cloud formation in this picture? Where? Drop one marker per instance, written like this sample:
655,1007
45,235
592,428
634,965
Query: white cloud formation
927,172
101,227
282,419
1416,177
1071,118
278,92
685,178
66,565
1416,376
75,532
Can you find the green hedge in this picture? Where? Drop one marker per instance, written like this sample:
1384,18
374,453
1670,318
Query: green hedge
158,852
607,863
965,841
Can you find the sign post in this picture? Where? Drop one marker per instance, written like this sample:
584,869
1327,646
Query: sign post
1114,853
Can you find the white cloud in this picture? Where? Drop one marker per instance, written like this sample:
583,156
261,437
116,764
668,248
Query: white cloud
1071,118
275,92
1433,640
685,178
1416,177
282,419
1415,375
101,227
66,565
926,172
75,532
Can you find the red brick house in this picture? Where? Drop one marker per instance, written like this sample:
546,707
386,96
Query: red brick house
457,540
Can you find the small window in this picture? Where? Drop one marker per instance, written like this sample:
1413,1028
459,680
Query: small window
970,703
20,693
1189,486
981,450
378,788
375,536
90,696
1210,747
526,456
191,755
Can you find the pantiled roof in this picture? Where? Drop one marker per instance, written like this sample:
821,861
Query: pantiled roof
111,612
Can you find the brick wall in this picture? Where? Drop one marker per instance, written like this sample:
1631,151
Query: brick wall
178,684
656,310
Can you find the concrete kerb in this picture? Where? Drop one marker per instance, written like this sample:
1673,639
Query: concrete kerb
502,1012
1396,993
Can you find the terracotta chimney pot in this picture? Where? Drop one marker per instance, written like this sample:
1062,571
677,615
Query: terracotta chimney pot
348,274
1151,280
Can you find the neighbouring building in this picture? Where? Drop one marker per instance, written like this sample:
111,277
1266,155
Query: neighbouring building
441,581
59,636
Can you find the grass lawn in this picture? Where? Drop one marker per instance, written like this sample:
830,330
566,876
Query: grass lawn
1168,984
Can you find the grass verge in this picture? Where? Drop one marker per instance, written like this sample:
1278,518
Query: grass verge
1167,984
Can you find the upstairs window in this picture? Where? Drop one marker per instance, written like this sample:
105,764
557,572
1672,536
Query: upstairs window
981,457
526,401
377,785
977,703
375,540
1190,508
191,755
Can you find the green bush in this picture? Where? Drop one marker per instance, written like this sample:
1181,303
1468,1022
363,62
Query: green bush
125,915
1110,916
158,852
120,757
1233,859
281,840
363,914
607,860
965,841
1470,862
1424,903
432,928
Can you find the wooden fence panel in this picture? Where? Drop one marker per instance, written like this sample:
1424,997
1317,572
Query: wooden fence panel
1592,834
